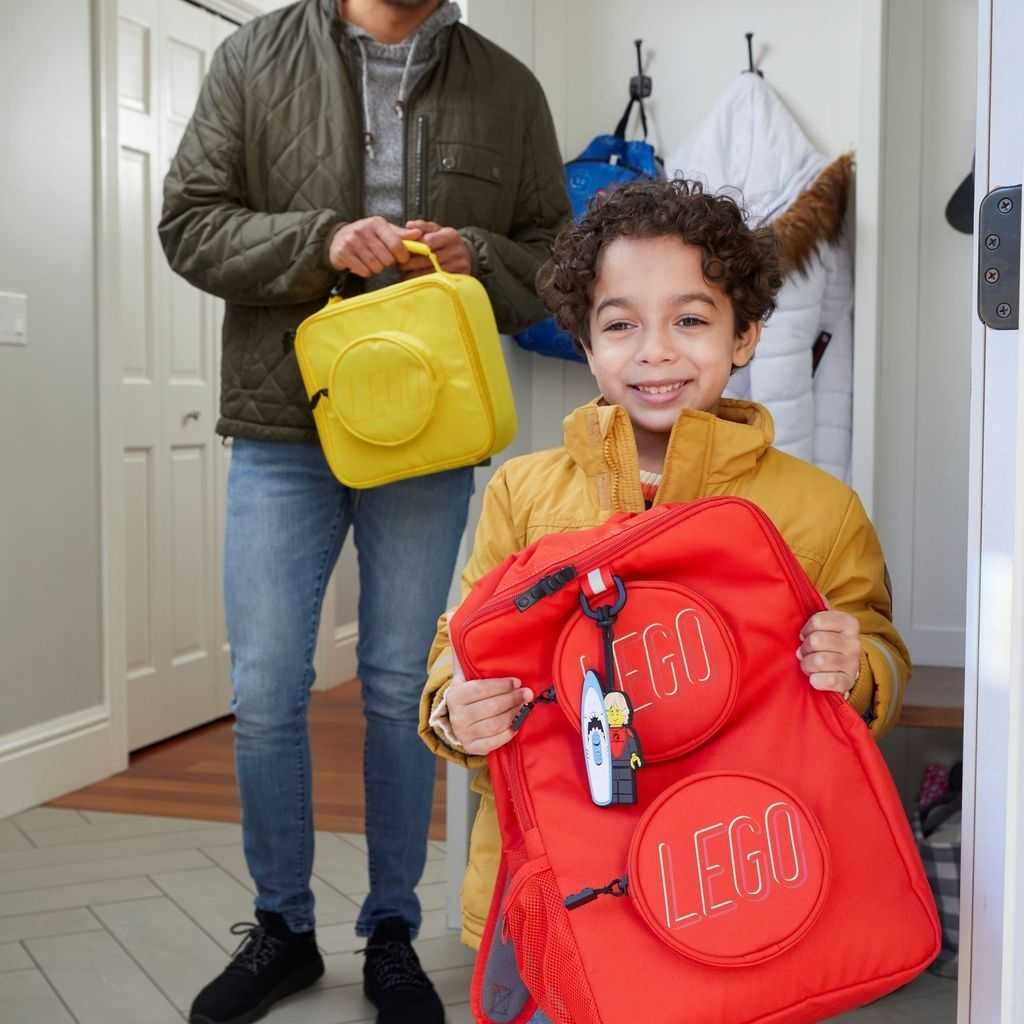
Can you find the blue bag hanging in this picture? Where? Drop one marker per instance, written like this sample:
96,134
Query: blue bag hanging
607,161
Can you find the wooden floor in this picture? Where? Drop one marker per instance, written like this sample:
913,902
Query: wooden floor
193,775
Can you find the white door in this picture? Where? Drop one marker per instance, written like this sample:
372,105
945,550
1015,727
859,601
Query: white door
992,908
172,460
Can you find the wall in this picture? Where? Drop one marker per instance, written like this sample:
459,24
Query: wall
49,464
924,356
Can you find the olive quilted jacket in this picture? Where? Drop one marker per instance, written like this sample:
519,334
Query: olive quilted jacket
271,164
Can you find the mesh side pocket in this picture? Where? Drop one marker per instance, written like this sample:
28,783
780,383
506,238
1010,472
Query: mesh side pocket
538,924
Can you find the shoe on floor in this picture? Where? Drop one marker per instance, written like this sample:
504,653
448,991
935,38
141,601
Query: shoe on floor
270,963
394,981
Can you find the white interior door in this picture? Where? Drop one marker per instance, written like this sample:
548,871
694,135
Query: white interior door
992,911
172,462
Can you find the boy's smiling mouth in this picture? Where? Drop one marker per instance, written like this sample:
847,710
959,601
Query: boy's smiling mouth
659,391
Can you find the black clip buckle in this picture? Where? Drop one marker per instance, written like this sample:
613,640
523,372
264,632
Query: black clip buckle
605,612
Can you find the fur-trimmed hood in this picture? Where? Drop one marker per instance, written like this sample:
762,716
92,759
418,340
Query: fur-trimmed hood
751,143
816,216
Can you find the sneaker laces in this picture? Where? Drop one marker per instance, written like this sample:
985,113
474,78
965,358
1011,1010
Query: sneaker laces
257,948
395,965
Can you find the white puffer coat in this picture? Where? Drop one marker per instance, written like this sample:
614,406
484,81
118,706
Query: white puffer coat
751,144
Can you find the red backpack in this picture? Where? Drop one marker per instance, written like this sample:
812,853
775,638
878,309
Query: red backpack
691,832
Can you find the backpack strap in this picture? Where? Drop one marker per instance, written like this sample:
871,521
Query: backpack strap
639,87
620,128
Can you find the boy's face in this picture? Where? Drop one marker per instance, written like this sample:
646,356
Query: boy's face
662,339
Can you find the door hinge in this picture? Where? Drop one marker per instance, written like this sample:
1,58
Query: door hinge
999,259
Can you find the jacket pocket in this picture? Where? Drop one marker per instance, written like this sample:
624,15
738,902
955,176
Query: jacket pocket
470,160
549,963
471,186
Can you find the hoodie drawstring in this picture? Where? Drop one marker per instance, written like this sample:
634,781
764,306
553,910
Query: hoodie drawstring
368,139
368,136
400,102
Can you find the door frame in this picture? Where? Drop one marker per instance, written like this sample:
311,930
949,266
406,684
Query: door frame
992,902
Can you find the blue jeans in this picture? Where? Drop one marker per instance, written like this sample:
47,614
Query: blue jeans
287,518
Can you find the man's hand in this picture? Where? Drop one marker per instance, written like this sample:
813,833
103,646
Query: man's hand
365,247
481,710
829,651
451,250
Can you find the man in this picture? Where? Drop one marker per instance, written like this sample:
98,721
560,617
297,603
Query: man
325,134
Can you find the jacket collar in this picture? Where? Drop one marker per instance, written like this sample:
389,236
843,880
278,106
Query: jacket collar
705,451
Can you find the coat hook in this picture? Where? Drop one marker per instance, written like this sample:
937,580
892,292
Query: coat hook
750,56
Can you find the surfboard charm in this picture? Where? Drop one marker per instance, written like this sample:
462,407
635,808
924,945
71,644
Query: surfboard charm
596,746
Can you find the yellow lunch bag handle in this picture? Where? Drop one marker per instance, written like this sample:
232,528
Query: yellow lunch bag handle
422,249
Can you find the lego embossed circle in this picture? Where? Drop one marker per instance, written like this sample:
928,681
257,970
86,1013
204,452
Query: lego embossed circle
675,657
383,388
729,868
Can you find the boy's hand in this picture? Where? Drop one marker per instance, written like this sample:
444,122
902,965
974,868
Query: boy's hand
829,651
481,710
451,250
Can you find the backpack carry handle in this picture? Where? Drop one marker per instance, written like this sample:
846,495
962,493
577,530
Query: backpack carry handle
421,249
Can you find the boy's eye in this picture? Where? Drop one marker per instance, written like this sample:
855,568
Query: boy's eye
690,321
618,325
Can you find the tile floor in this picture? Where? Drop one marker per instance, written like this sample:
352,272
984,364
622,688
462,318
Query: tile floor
121,919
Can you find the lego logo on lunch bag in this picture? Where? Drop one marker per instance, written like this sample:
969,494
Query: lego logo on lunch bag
675,658
729,868
383,388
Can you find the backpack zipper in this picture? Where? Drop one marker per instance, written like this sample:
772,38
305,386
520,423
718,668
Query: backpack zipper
522,805
549,696
599,556
505,597
616,887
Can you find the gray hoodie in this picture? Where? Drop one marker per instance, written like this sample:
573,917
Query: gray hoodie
387,76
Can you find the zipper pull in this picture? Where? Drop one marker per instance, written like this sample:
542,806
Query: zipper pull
549,696
616,887
545,587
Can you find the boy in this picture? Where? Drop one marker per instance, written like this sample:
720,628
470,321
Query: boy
666,290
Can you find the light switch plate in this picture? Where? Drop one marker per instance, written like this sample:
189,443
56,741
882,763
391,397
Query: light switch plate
13,318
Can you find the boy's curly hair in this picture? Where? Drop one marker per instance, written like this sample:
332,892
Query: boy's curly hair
742,261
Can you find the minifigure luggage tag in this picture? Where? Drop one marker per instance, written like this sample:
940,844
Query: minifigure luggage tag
611,748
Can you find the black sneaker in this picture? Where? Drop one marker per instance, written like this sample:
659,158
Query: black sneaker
271,962
393,979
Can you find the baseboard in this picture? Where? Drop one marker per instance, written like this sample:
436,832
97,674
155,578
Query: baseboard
53,758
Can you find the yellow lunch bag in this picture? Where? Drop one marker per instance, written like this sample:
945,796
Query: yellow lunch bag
407,380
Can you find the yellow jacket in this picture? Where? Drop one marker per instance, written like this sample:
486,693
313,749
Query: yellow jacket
597,474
